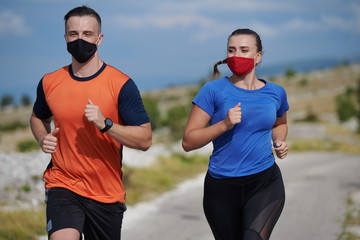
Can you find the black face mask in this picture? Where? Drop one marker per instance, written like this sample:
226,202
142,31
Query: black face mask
81,50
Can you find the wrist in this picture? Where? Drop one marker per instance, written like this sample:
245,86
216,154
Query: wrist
108,123
226,125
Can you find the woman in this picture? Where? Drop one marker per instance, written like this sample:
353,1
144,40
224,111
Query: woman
244,117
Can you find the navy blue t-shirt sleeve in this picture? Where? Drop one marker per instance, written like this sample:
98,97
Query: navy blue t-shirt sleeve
131,107
41,109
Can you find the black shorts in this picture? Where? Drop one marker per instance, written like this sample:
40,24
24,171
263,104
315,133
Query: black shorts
96,220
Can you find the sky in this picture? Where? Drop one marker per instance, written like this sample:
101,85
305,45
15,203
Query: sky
162,43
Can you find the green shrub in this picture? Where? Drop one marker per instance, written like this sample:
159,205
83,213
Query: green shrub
345,107
27,146
310,116
26,188
8,127
289,72
303,82
7,100
25,100
176,120
152,109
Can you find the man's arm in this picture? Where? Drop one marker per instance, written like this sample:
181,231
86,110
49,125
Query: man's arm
41,130
137,137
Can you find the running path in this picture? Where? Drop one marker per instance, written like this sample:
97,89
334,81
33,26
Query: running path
317,187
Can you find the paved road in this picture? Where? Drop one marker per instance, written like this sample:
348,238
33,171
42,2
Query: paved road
317,187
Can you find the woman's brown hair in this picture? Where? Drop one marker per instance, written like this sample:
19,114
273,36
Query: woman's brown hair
247,31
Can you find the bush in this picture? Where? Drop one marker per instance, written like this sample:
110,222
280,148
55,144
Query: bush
289,72
8,127
310,116
303,82
7,100
345,107
25,100
27,146
176,120
152,109
26,188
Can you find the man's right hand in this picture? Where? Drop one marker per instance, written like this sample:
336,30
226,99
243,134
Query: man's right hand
49,142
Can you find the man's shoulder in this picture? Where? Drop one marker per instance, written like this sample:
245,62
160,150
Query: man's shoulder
63,70
114,71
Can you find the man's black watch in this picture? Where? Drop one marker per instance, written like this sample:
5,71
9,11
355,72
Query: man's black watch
108,125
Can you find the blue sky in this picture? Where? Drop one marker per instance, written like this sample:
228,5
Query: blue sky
163,43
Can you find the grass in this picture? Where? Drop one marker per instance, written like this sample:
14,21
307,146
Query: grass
351,219
22,224
324,145
142,184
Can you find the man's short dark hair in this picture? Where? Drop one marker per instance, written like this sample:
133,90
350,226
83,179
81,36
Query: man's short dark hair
82,11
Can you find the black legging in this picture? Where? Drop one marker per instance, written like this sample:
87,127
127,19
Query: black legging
245,207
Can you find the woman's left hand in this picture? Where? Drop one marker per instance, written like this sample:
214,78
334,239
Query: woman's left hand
281,149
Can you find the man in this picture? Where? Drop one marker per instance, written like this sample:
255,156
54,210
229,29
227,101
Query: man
96,110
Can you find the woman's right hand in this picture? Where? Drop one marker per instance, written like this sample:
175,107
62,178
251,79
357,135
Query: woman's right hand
233,117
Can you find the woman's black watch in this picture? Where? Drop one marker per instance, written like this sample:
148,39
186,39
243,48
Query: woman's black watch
108,125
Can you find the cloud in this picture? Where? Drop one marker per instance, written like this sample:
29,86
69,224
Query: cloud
349,24
212,18
226,5
12,24
163,21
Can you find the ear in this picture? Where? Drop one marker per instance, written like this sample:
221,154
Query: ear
99,42
258,58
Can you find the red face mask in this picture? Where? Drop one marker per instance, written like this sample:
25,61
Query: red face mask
240,66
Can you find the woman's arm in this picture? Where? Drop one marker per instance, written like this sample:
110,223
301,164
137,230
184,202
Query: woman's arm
197,133
279,134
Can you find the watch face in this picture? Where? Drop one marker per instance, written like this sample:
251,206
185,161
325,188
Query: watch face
108,122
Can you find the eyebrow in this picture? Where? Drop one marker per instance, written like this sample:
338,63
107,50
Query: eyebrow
241,47
85,32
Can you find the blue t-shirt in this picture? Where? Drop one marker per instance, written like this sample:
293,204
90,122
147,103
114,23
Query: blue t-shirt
245,149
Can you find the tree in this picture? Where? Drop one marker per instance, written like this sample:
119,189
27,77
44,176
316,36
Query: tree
25,100
348,104
7,100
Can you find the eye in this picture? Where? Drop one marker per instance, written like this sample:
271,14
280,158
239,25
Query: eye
230,50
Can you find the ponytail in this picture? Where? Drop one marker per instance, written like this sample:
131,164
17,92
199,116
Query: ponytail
216,72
